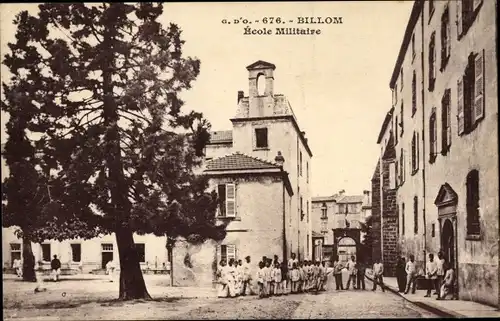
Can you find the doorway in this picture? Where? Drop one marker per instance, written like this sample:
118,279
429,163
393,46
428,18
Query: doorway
448,242
106,254
346,248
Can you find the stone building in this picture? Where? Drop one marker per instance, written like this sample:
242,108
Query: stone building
263,127
444,129
337,219
261,171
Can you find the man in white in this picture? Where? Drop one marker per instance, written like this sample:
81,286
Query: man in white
18,266
247,277
378,272
432,270
351,268
110,269
411,275
291,261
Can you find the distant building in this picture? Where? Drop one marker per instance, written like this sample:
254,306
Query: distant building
441,143
338,220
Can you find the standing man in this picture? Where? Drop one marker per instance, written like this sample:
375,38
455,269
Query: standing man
401,274
292,260
18,266
411,275
247,277
55,265
378,272
110,268
431,268
337,273
440,273
351,268
361,267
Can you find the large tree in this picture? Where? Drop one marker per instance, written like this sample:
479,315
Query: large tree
98,86
367,242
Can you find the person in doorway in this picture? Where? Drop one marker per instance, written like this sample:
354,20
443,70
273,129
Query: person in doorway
17,265
440,273
110,270
411,275
448,286
401,274
55,266
39,277
361,268
337,273
431,269
378,272
351,268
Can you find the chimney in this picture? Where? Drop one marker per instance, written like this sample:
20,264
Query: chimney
341,192
279,159
241,94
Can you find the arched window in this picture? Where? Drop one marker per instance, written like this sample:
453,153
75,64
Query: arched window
261,84
473,225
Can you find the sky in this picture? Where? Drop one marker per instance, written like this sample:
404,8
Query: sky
337,82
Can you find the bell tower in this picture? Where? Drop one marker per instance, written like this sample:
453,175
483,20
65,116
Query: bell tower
261,89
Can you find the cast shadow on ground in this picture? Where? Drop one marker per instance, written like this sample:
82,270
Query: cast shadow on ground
62,304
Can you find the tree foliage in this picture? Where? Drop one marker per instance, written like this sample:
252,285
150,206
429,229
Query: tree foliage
94,95
367,242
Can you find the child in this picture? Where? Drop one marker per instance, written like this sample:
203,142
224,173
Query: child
268,277
277,279
301,282
261,280
272,284
284,277
308,276
294,274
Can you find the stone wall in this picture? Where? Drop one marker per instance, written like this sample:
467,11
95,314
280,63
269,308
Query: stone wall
389,219
376,210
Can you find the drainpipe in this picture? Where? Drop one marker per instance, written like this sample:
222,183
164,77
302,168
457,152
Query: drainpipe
423,137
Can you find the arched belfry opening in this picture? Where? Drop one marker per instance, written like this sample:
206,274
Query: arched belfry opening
261,84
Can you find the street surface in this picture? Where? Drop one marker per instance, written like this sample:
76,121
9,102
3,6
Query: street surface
92,298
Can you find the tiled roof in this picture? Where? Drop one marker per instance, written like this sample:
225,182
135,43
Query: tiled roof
351,199
238,161
332,198
222,136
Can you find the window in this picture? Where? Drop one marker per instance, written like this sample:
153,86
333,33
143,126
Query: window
352,208
414,94
227,200
473,223
445,122
15,251
261,138
401,77
307,172
396,130
433,230
323,211
307,210
401,123
46,252
445,38
300,163
414,153
342,208
301,209
402,167
433,136
226,252
432,61
324,228
141,251
415,215
403,219
467,11
431,9
76,252
413,47
470,105
392,175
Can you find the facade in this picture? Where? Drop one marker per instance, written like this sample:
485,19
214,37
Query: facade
263,126
444,126
334,215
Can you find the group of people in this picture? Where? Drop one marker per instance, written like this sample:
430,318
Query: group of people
440,276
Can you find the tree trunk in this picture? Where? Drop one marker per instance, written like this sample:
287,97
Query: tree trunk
28,261
132,285
170,259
